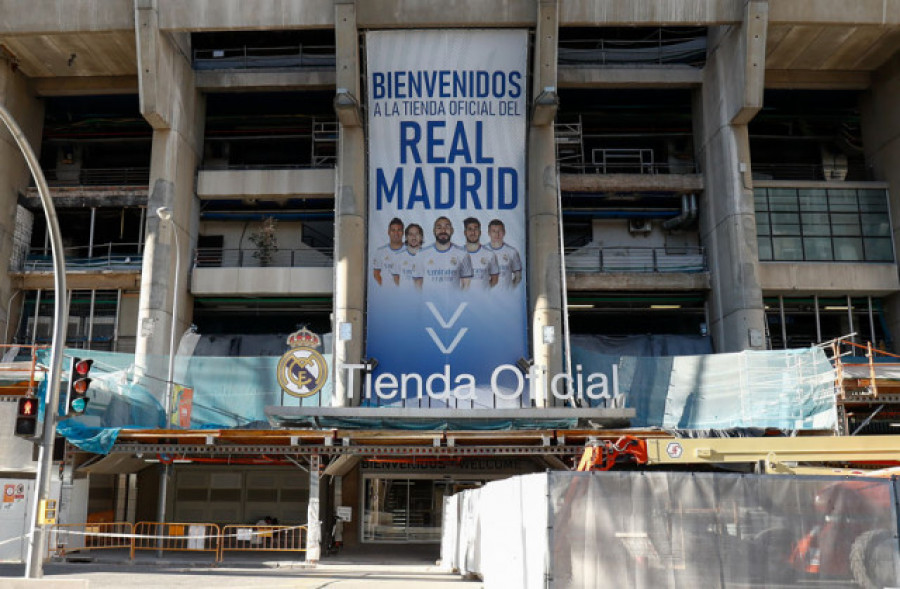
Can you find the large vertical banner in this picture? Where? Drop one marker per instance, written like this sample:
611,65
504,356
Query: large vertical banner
446,269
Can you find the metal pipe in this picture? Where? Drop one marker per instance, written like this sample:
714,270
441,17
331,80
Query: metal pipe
35,555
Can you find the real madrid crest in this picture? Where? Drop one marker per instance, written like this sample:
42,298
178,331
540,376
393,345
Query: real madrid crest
302,370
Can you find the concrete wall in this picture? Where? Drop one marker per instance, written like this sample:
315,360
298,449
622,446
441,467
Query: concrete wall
730,96
881,136
28,112
823,278
219,282
264,183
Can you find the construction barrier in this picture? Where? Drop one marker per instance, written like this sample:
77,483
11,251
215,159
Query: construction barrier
67,538
262,539
176,537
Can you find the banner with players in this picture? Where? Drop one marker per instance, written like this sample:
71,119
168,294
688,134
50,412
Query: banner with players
446,279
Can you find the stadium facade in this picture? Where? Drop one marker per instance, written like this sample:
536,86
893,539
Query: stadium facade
684,176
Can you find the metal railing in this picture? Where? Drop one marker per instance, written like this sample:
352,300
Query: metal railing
814,172
176,537
66,538
293,56
593,259
624,167
255,258
688,50
106,256
262,539
98,177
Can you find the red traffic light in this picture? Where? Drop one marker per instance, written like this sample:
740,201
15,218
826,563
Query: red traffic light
82,367
26,417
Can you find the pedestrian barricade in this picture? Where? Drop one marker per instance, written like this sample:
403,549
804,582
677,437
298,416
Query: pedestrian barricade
178,537
67,538
262,539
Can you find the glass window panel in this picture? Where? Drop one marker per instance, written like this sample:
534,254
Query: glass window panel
762,225
842,200
765,248
783,199
813,200
816,224
879,250
845,224
760,201
787,248
786,230
848,249
873,201
817,248
876,225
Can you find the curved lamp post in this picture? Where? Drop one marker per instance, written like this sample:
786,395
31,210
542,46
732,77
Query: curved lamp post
34,568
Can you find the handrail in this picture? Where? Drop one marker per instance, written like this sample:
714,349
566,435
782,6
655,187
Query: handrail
592,259
103,256
815,172
244,57
214,257
61,176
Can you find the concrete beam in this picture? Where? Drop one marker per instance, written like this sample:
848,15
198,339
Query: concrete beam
266,184
840,12
544,256
258,81
99,279
241,15
457,13
85,86
651,77
350,216
219,282
634,281
675,183
83,196
823,278
591,13
56,16
818,80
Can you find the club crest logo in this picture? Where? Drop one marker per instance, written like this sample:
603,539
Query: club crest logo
302,371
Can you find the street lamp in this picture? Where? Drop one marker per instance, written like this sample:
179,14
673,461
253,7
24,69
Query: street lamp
35,556
165,214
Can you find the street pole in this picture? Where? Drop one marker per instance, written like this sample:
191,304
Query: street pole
165,214
34,559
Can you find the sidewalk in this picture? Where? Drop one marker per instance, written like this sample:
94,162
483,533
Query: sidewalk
382,567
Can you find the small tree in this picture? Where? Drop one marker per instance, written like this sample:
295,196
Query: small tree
265,238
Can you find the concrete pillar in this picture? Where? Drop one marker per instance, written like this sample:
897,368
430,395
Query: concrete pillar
731,94
880,116
18,98
171,103
349,210
544,268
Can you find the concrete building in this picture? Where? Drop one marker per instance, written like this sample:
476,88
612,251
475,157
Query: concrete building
726,171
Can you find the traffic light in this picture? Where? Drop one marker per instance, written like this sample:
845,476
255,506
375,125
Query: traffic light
78,386
26,417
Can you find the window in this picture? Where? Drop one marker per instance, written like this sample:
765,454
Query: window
823,225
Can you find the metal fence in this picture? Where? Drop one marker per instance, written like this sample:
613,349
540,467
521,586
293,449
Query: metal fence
67,538
813,172
176,537
253,257
262,539
106,256
688,50
592,259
